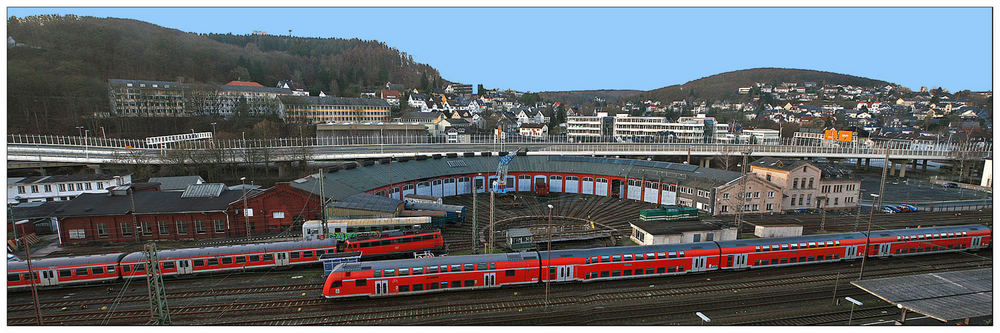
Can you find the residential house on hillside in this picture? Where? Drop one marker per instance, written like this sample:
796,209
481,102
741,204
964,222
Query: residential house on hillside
390,96
534,130
418,100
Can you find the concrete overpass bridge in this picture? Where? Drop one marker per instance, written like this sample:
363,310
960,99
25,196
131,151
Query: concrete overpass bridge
90,150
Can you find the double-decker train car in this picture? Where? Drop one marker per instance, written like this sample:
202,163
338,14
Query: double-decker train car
398,277
65,270
112,267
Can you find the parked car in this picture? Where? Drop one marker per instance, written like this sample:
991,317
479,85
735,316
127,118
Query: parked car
908,207
890,209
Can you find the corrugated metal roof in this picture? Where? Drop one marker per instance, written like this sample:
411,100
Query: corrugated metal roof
179,183
211,190
942,296
369,202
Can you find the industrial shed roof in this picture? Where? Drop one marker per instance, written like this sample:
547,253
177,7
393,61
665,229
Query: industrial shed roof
178,183
101,204
674,227
345,183
942,296
369,202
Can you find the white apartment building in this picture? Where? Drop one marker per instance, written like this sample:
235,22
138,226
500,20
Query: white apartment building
692,129
760,136
58,188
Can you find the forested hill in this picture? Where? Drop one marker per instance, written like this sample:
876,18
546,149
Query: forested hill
58,66
725,85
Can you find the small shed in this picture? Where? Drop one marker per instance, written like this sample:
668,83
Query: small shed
778,230
660,232
520,239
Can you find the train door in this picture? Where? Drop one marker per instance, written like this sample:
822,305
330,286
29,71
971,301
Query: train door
740,260
883,249
698,264
976,242
564,273
184,266
49,278
281,259
381,287
489,279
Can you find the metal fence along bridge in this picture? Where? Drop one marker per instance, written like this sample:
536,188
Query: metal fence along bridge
96,150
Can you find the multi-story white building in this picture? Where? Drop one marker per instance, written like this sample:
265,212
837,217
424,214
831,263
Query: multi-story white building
692,129
578,127
625,126
58,188
697,129
760,137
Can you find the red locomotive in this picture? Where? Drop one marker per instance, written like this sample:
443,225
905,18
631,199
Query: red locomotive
413,276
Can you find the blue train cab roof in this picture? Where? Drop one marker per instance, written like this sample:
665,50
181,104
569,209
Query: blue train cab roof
45,263
929,230
796,239
434,261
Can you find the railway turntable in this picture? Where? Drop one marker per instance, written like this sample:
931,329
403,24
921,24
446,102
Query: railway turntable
958,297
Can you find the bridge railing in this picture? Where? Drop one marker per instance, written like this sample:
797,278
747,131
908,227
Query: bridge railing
551,143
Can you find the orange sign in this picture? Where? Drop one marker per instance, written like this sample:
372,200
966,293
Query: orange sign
847,136
830,135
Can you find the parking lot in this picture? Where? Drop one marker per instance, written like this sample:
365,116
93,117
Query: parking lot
914,190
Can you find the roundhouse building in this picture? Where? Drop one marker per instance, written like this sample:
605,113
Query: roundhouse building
654,182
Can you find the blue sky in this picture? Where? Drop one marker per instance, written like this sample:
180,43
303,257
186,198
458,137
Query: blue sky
541,49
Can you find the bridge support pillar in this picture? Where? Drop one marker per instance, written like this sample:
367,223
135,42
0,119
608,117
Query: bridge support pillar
706,163
868,163
858,163
284,169
925,165
892,168
902,169
96,167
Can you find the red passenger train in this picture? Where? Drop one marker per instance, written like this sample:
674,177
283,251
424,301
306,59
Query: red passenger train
415,276
115,266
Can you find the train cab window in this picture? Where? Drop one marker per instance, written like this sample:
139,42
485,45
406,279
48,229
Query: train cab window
227,260
13,277
294,255
240,259
81,272
111,269
404,271
605,258
390,272
268,257
166,265
361,282
650,270
404,288
255,258
784,247
67,272
671,254
418,271
616,258
432,270
493,265
456,268
198,262
605,273
307,254
469,267
212,261
470,283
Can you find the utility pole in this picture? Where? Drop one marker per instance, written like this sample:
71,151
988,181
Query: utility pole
548,262
31,277
871,215
322,200
246,215
159,311
135,220
489,246
743,192
475,217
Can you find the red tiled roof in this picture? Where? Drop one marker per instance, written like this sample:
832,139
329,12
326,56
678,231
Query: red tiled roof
244,83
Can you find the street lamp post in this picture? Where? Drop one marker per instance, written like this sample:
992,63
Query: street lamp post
213,130
853,303
868,237
548,262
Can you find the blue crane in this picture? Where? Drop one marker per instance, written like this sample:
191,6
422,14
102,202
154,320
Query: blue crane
499,185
